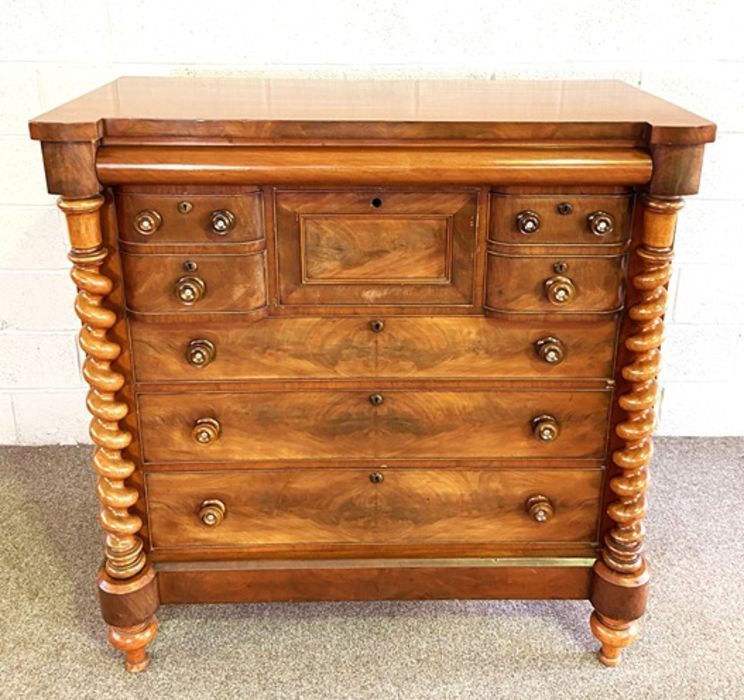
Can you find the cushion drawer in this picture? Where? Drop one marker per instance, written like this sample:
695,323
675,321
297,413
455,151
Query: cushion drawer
190,218
560,219
347,348
358,423
348,506
375,248
155,283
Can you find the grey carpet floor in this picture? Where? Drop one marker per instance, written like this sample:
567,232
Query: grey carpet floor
53,645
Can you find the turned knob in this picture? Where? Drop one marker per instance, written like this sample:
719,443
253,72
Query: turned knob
200,352
550,350
376,399
190,289
528,221
560,289
147,222
212,512
206,430
545,428
539,508
222,221
601,223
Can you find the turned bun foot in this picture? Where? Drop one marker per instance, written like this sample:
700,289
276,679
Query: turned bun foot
133,642
614,635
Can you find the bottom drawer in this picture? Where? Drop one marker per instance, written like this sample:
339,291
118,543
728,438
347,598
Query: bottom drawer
362,506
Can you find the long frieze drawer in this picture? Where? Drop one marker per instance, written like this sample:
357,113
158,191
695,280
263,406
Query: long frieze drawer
185,283
393,347
375,248
560,219
189,218
362,506
547,284
386,424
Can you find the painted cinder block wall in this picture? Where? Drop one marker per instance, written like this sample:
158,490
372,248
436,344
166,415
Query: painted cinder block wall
687,52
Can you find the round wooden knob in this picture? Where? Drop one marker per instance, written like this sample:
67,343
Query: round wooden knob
147,222
560,289
212,512
550,350
190,289
601,223
200,352
545,428
528,221
206,430
376,399
539,508
222,221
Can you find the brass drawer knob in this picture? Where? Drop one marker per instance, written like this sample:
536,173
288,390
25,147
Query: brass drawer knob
528,221
206,430
212,512
222,221
539,508
560,289
377,325
545,428
376,399
190,289
601,223
550,350
200,352
147,222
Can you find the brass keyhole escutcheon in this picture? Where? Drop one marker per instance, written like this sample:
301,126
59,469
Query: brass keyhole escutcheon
565,208
376,477
376,203
377,325
376,399
184,207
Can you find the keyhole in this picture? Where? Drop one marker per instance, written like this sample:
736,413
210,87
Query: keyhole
376,202
190,266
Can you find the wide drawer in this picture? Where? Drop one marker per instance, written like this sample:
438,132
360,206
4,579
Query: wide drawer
386,424
351,348
359,506
375,247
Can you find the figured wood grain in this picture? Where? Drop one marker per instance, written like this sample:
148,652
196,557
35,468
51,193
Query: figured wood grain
443,347
311,424
344,506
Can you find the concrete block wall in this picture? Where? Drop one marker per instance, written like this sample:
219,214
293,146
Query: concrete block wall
685,51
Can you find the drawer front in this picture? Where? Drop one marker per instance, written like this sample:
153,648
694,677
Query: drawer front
385,424
560,219
375,248
189,218
353,506
548,284
194,283
393,347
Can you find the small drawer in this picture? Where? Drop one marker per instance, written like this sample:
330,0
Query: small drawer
445,347
372,506
189,218
548,284
348,424
560,219
157,283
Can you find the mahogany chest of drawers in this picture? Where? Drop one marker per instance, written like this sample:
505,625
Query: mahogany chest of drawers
371,340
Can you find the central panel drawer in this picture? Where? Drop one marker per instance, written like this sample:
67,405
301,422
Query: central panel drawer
375,248
395,506
385,424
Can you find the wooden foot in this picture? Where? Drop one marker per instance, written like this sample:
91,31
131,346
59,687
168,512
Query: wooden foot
133,642
614,635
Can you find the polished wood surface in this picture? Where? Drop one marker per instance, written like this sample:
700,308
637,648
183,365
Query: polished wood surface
441,347
369,340
408,506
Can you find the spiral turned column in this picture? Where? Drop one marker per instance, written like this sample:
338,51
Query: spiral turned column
621,575
126,580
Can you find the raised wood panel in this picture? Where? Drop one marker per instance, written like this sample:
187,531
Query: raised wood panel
232,282
518,283
344,424
375,247
564,218
194,226
443,347
345,506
